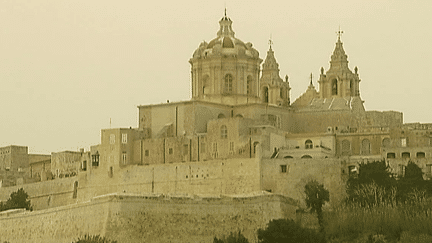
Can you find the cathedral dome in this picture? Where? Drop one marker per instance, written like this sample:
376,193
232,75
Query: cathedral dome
225,44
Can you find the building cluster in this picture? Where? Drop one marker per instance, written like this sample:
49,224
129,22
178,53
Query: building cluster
241,109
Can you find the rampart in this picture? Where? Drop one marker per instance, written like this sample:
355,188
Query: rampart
148,218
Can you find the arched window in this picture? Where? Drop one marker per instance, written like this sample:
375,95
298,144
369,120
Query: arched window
308,144
345,147
288,157
265,95
221,116
255,146
306,156
224,131
366,147
249,85
334,87
281,93
228,83
205,84
386,142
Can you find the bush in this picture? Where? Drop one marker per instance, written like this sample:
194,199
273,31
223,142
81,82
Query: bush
285,231
17,199
232,238
93,239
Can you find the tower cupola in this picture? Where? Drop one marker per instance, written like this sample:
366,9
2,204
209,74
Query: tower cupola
225,70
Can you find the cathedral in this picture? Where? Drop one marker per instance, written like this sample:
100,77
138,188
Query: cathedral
241,133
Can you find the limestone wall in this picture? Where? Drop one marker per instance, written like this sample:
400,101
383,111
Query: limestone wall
298,172
148,218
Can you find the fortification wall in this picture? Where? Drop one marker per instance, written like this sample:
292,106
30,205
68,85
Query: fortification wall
148,218
291,182
234,176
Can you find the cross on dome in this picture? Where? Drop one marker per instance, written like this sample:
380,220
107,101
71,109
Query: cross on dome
339,33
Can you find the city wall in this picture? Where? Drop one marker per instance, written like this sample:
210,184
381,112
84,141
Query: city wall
234,176
148,218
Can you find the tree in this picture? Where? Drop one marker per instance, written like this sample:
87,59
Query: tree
232,238
316,197
286,231
374,179
411,183
18,199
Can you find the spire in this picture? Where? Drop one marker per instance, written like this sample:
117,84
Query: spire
225,27
339,58
311,78
270,61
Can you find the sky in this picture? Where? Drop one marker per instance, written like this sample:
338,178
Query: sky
68,68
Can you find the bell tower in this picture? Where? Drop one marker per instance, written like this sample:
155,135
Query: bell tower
339,80
273,90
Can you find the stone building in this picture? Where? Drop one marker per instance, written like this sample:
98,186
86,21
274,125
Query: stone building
241,133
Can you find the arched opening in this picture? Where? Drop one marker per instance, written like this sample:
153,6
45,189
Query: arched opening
288,157
334,86
205,85
281,93
366,147
221,116
249,85
255,144
239,116
352,88
306,156
224,131
308,144
228,84
345,147
386,142
265,95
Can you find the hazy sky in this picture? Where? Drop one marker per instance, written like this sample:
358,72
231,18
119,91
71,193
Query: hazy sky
67,67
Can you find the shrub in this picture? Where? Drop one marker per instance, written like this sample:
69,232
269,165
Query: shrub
232,238
18,199
93,239
286,231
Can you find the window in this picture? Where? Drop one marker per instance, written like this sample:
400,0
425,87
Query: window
228,83
75,189
288,157
185,149
283,168
345,147
306,156
224,131
403,142
95,159
406,155
255,144
366,147
111,172
334,87
124,138
170,151
147,152
281,93
352,170
421,155
124,158
265,95
308,144
391,155
249,85
112,139
84,165
231,146
215,147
